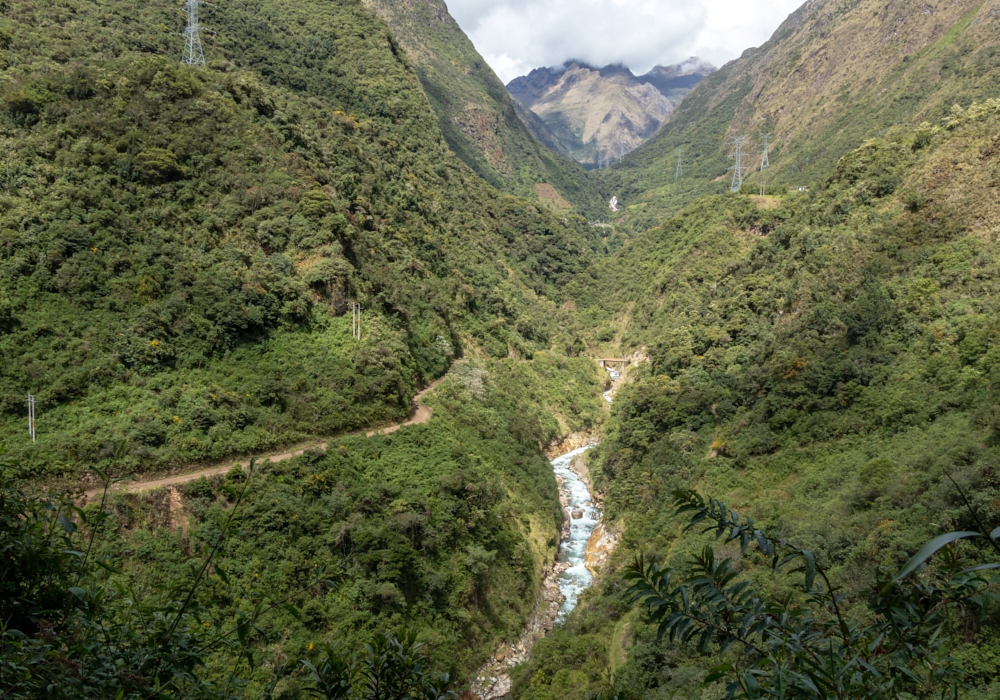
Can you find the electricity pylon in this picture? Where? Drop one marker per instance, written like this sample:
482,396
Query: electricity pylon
680,165
764,162
31,416
356,321
737,155
194,54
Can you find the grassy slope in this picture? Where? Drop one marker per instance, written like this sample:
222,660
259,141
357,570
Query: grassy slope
441,527
475,113
822,366
832,75
178,247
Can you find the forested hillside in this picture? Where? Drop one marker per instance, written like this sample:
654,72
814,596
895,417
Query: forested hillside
477,117
181,249
179,246
823,362
832,75
223,587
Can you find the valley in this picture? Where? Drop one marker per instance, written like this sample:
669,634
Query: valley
349,383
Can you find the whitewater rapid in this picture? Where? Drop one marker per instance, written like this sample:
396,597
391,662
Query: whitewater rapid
576,578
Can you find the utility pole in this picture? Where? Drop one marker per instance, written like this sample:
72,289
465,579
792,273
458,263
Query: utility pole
680,165
356,321
31,416
194,54
764,162
737,155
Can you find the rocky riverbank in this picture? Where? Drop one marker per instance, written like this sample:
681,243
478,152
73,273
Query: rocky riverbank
584,547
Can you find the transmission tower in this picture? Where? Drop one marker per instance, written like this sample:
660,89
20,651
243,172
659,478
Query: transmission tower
356,321
737,156
31,416
194,54
680,165
764,162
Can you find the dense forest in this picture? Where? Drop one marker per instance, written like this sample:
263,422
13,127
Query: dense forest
181,251
439,531
179,246
826,363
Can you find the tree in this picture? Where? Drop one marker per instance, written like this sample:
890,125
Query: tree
389,669
67,630
808,644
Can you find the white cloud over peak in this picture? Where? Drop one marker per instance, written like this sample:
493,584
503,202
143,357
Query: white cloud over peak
515,36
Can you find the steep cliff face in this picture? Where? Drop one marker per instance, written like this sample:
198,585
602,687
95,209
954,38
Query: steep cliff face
476,115
600,114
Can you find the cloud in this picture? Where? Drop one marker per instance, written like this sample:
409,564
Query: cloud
515,36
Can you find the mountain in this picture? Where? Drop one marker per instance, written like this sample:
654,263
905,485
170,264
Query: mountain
677,81
831,76
600,114
824,362
180,246
476,115
181,251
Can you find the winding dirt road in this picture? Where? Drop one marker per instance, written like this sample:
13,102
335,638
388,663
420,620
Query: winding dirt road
421,414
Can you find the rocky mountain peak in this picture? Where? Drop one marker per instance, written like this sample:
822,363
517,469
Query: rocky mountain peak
598,114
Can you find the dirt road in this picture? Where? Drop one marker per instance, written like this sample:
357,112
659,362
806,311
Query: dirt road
421,414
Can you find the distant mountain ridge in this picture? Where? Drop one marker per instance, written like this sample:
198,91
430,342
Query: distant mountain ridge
597,115
831,76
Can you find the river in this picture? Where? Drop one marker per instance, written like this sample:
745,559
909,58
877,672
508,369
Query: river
583,517
567,579
563,584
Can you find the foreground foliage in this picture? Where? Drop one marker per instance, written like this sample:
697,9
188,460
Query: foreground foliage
66,633
807,644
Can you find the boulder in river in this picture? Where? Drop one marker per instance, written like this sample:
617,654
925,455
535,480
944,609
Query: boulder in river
577,514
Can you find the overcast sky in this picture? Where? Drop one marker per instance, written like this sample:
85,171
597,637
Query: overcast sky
515,36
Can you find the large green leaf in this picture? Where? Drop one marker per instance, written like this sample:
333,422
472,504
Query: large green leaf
931,548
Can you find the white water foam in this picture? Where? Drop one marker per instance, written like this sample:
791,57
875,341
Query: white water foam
573,550
615,376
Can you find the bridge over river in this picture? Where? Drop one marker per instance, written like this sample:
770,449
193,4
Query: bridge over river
619,363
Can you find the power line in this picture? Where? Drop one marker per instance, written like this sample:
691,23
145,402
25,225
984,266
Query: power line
680,165
194,54
737,156
31,416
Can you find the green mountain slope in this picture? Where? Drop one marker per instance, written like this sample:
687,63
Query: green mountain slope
439,530
831,76
824,362
179,246
443,528
476,115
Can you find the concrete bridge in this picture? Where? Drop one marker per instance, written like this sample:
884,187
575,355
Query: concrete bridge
615,362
